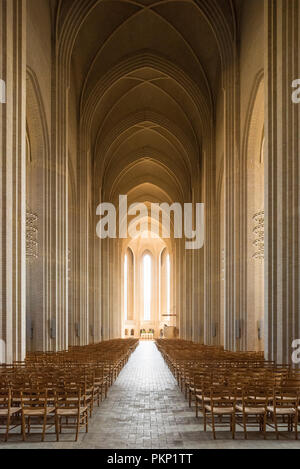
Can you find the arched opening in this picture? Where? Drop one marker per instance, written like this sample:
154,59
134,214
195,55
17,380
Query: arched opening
145,277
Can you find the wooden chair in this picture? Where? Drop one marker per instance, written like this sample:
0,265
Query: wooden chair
285,408
7,412
35,406
101,383
254,408
203,394
222,404
87,384
70,405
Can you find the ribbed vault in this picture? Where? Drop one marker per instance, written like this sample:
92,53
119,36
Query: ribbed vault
145,87
150,99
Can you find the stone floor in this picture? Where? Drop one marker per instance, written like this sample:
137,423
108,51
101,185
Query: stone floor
145,409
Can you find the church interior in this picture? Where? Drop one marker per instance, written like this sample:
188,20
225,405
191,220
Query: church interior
138,341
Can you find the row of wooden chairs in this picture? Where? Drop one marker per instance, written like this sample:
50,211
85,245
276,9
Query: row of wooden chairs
235,388
59,389
260,407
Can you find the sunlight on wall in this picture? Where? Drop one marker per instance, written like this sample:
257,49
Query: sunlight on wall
168,279
147,287
126,287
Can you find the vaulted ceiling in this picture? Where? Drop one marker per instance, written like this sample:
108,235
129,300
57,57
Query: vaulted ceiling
146,76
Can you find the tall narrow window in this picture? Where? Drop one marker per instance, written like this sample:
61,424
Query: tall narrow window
168,279
126,287
147,287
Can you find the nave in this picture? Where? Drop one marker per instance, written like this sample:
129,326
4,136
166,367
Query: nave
185,113
195,108
145,409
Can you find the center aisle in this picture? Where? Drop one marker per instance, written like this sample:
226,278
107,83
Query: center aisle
144,408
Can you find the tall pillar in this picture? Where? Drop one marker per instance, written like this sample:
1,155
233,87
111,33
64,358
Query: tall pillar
282,195
97,323
12,180
105,284
231,260
182,279
58,201
83,222
178,282
210,248
116,274
188,296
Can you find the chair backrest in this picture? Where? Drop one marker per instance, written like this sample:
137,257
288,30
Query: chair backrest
254,396
286,397
5,398
222,396
34,398
70,397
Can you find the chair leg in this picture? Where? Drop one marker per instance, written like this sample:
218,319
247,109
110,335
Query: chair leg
245,425
265,426
87,423
205,418
276,426
44,427
23,427
233,425
7,427
213,426
77,428
57,427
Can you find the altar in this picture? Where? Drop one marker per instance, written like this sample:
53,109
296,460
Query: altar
147,336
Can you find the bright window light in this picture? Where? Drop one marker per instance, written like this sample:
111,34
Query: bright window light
147,287
126,287
168,284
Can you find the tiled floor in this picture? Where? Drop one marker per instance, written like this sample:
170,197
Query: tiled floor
145,409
